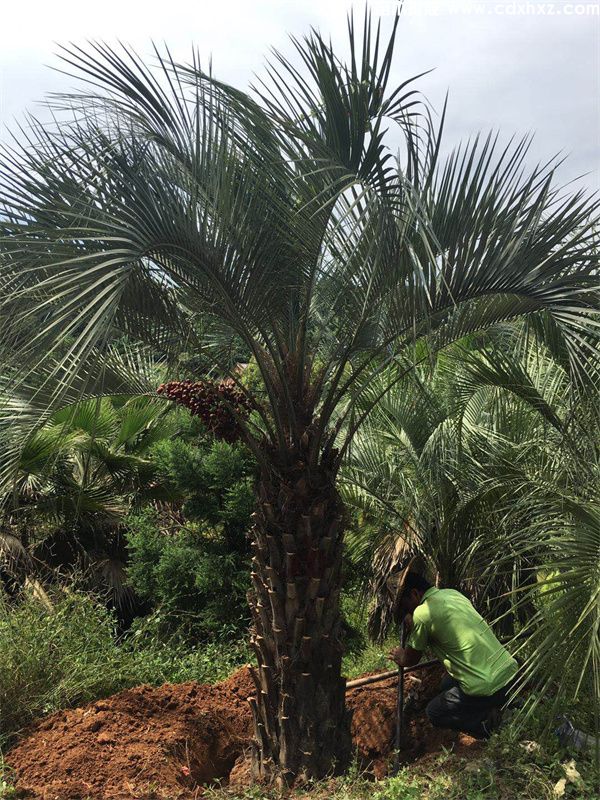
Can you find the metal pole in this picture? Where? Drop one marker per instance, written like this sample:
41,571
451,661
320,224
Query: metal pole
385,676
400,706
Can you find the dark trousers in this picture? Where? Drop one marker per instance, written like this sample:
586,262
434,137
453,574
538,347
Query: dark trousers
464,712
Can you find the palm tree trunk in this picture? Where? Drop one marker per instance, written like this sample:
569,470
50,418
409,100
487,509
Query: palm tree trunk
302,727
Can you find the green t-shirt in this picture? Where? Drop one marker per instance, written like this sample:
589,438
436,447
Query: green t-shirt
446,622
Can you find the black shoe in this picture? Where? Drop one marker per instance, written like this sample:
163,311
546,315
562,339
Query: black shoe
493,722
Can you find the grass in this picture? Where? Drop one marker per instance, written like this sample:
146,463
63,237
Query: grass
361,655
7,791
372,659
507,770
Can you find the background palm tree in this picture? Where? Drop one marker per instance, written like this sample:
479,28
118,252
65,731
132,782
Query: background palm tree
78,475
282,220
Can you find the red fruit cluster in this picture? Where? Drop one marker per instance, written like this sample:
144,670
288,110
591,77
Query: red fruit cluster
219,404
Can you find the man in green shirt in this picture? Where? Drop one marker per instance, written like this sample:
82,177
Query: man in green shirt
480,670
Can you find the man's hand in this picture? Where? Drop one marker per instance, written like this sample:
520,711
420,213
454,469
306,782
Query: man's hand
398,654
405,656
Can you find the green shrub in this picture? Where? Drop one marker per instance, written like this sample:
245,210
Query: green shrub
214,479
53,659
196,572
196,585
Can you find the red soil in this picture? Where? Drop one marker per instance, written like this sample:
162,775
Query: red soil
166,742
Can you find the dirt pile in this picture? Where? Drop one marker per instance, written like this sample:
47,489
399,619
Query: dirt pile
165,742
149,742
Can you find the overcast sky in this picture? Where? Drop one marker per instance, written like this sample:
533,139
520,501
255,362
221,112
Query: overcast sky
517,66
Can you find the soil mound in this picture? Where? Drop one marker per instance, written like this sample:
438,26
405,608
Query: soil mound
150,743
146,742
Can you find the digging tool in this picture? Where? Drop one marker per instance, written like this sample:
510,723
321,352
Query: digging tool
400,707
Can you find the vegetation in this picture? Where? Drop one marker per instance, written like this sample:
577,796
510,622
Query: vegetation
485,460
195,566
421,339
510,769
77,476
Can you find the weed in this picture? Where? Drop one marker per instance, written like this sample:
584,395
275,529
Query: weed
7,790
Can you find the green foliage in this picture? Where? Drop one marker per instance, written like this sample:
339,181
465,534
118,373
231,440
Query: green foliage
189,575
196,584
196,572
214,478
156,659
360,655
79,474
370,658
485,459
353,631
7,790
50,660
89,461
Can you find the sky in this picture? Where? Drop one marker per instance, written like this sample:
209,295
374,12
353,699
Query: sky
508,65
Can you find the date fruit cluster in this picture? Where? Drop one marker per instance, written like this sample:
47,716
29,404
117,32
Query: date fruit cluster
219,404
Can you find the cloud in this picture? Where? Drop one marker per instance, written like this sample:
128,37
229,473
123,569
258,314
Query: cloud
517,72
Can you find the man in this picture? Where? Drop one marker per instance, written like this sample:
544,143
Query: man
480,670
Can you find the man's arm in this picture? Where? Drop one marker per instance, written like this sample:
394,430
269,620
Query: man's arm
406,656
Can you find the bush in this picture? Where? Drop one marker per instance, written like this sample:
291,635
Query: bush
197,586
54,659
195,571
214,479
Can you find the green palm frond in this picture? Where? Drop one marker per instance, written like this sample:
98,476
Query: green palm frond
172,195
488,418
560,543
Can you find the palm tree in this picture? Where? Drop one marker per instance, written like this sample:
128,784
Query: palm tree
282,220
431,458
78,475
